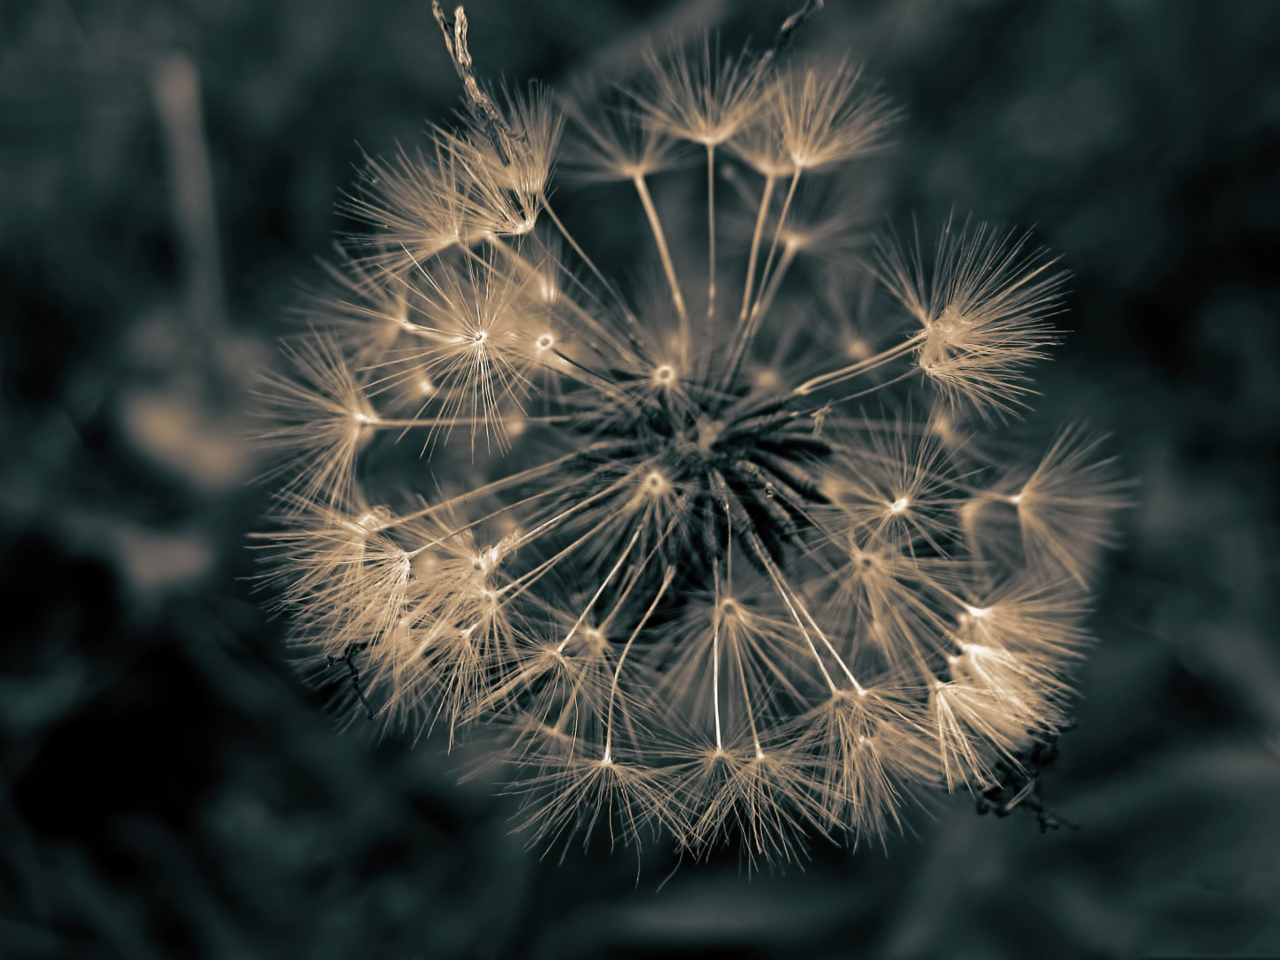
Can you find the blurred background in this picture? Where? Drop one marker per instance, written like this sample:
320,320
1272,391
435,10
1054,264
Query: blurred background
168,788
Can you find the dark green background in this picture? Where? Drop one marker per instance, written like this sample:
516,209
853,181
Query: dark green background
169,789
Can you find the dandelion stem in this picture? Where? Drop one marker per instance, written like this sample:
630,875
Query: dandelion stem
746,315
748,334
795,607
582,255
604,583
877,388
415,422
785,593
613,690
715,659
746,699
777,230
853,369
765,201
805,633
769,283
711,230
677,298
766,298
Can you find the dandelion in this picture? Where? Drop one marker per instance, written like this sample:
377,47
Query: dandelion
982,302
732,570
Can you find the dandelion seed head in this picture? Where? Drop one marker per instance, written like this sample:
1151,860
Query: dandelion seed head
698,95
684,535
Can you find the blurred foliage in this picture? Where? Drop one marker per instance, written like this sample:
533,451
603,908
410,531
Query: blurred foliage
167,785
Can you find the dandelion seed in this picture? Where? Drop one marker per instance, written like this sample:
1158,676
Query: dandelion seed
983,303
1066,505
698,95
825,117
611,140
321,418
